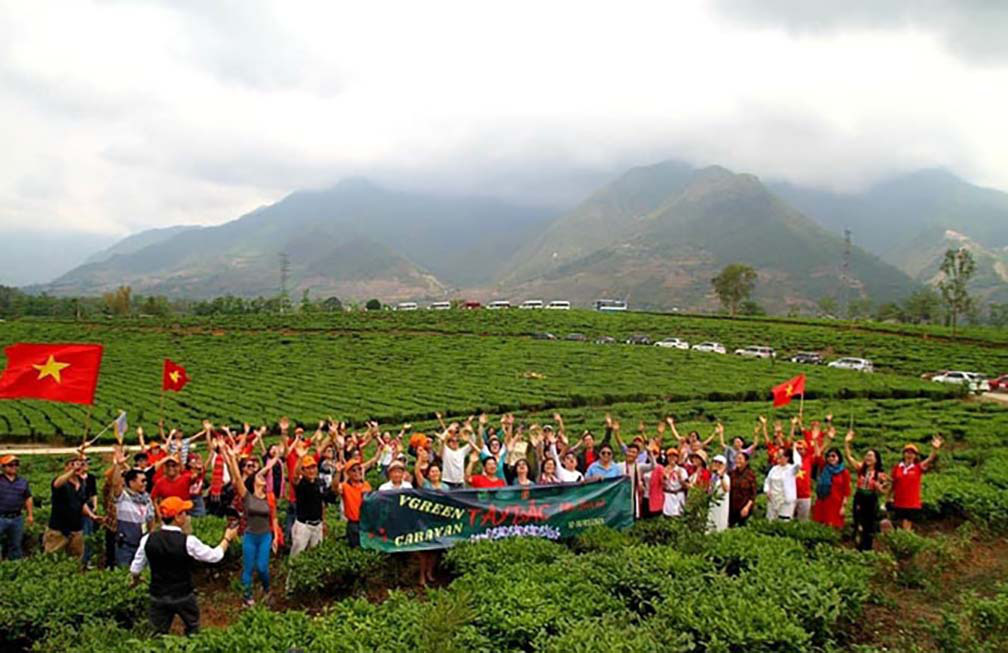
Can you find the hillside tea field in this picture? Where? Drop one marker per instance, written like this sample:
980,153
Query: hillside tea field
662,585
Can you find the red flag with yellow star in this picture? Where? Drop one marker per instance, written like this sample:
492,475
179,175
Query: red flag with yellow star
65,372
174,376
782,393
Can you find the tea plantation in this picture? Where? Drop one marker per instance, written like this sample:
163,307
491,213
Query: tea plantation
663,585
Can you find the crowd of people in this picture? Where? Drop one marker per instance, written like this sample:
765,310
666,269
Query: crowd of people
146,500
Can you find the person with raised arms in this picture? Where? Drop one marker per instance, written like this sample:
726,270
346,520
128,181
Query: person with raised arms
352,489
872,484
260,529
489,478
905,487
453,455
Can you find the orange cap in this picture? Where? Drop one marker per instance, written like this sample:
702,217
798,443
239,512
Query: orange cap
172,506
308,461
911,447
8,459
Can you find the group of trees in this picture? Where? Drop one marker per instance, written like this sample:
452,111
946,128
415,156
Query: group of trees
948,303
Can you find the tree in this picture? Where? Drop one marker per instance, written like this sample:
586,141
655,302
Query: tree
307,306
999,315
890,311
922,307
957,269
733,285
332,305
373,305
827,306
118,301
749,307
858,308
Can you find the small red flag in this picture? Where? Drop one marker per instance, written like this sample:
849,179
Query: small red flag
782,393
174,377
54,372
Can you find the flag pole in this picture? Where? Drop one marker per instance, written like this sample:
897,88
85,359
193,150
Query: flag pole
162,406
87,424
801,406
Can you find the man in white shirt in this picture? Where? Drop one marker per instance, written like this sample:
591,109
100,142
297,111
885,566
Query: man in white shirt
170,554
396,471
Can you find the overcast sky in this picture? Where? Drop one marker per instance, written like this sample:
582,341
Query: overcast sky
117,116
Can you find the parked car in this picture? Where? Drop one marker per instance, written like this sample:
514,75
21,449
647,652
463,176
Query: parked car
976,382
605,340
559,305
406,306
1000,384
576,337
498,305
711,347
807,358
531,304
545,335
672,343
638,339
753,351
440,306
856,364
471,305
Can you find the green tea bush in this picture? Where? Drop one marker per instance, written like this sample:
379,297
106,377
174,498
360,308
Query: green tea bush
601,539
494,555
333,567
45,592
917,559
809,533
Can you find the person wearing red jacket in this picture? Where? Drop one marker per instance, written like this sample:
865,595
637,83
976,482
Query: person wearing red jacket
832,489
803,480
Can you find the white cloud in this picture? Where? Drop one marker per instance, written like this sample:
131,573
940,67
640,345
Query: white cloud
119,115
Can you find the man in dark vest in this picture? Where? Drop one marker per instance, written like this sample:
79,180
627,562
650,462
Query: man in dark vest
170,553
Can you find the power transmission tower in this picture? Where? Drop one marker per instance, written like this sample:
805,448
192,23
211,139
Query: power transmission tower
284,274
845,273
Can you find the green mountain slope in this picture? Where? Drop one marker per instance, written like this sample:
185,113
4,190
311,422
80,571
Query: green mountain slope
705,220
354,240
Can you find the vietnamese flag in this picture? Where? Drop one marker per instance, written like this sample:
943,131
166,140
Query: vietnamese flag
174,376
67,372
782,393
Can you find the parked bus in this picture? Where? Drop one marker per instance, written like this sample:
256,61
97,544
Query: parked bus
610,305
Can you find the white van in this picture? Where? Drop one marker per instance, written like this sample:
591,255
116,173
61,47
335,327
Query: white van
610,305
499,304
559,305
440,306
406,306
531,304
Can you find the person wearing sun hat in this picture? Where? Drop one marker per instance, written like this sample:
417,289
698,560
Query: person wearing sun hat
309,508
170,554
15,495
905,488
352,490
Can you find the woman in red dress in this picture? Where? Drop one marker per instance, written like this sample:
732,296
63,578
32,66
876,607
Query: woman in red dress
832,490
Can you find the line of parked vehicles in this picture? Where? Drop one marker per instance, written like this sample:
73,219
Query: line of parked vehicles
605,305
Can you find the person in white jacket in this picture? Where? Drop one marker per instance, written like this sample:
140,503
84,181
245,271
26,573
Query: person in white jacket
779,485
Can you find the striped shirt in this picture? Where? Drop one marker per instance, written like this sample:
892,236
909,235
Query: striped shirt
133,512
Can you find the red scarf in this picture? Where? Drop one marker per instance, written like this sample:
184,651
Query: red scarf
217,478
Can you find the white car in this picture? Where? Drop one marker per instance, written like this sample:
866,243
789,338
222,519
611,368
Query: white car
672,343
976,382
856,364
756,352
440,306
558,305
531,304
406,306
712,347
498,305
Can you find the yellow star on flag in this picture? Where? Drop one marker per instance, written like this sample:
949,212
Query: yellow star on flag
51,368
800,474
788,389
174,376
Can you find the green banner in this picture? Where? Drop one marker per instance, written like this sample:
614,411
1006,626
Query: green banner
419,520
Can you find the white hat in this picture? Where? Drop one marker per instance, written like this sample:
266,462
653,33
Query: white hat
720,459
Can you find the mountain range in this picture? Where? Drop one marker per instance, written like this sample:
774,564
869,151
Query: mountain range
655,236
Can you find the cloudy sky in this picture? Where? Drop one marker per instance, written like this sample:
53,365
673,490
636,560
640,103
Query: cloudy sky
118,116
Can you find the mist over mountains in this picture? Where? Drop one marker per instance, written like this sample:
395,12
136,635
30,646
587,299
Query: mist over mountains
654,235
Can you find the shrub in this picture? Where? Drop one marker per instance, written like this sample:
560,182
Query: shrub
43,593
809,533
487,555
917,558
333,566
